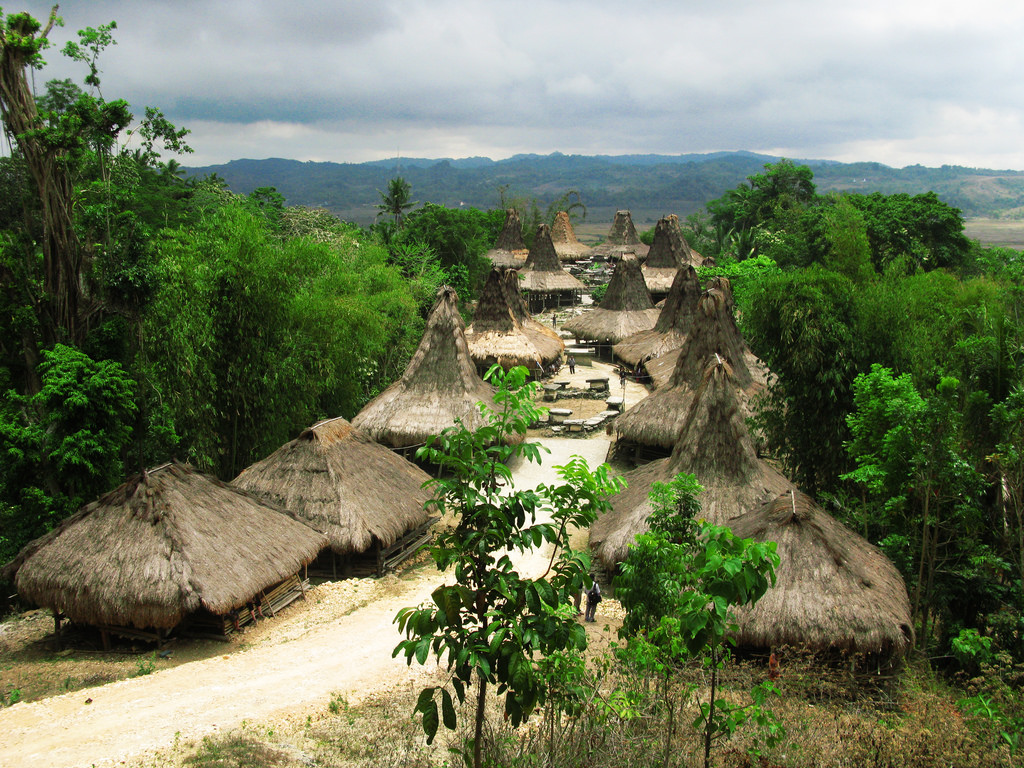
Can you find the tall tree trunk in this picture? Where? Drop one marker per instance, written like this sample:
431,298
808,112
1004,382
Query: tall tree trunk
62,254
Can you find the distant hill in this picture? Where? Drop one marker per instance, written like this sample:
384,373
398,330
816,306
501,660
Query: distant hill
665,183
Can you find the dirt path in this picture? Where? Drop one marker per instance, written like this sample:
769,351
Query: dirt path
349,655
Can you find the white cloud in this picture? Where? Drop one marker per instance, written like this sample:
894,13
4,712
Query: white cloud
899,81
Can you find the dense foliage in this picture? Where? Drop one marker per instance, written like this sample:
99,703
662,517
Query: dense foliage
897,355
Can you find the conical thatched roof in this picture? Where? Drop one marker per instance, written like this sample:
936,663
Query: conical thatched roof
543,272
751,373
564,239
658,419
439,386
668,253
625,310
338,481
833,589
497,336
165,544
673,324
515,300
622,238
715,446
509,249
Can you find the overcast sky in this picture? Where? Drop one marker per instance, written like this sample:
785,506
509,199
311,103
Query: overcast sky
893,81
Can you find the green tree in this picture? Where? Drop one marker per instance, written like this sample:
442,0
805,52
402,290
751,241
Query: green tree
493,626
804,324
396,201
678,584
907,450
62,445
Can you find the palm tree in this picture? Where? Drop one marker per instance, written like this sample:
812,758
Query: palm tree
395,201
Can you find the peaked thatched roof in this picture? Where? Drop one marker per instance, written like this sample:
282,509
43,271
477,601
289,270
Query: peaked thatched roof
440,385
622,238
543,272
498,336
669,332
564,239
716,447
751,373
165,544
658,419
509,249
833,589
668,253
626,308
338,481
515,300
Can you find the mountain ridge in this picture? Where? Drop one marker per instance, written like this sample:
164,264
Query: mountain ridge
671,183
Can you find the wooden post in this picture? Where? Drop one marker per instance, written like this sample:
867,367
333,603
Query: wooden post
56,630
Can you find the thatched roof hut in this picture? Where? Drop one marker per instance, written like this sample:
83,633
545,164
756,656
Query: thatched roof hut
715,446
668,253
751,372
341,483
509,249
515,299
833,589
440,385
622,238
625,310
498,336
672,326
543,276
165,544
658,419
563,236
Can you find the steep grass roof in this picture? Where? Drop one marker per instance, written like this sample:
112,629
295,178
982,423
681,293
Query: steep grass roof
672,326
625,310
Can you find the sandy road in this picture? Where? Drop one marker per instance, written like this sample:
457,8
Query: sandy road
350,655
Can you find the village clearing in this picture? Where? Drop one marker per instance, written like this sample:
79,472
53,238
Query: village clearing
278,675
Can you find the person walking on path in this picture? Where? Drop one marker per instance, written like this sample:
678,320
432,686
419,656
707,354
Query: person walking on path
593,598
572,364
554,319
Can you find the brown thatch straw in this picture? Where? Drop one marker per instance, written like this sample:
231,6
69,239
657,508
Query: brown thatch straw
658,419
165,544
668,253
440,385
833,589
715,446
622,238
497,336
543,272
509,249
515,300
564,239
338,481
625,310
750,371
673,324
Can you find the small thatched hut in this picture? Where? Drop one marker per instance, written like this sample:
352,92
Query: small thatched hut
362,496
440,385
498,336
715,446
672,326
168,543
543,278
563,236
833,591
622,238
669,252
509,249
625,310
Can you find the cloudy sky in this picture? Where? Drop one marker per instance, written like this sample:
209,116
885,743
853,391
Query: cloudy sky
892,81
